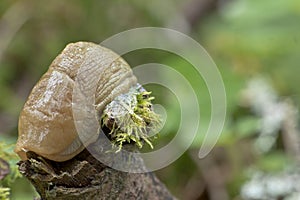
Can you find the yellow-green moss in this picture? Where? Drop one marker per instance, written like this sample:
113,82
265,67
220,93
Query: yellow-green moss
7,165
131,119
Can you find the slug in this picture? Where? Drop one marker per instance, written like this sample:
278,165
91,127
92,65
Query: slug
46,123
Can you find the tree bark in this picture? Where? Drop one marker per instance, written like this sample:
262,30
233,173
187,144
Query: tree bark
84,177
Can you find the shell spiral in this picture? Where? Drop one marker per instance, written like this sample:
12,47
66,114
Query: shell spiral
46,122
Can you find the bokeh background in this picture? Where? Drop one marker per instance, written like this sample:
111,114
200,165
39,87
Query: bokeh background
256,46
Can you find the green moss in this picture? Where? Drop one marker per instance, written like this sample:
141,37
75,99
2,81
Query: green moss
4,193
131,119
8,169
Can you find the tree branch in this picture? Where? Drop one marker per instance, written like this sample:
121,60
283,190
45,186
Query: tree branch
84,177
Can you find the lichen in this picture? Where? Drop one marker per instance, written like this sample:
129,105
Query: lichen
131,119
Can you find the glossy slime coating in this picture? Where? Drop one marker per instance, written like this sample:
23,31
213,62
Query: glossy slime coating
46,123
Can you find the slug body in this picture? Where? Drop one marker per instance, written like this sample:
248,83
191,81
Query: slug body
46,123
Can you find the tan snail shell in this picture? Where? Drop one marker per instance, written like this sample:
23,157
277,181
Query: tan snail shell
46,123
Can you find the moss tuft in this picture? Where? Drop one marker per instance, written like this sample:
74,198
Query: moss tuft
131,119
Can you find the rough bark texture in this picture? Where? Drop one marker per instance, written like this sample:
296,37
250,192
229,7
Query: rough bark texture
84,177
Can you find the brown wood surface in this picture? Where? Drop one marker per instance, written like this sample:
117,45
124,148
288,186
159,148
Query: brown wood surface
84,177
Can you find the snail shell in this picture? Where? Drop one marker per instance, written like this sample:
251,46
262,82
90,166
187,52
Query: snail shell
46,123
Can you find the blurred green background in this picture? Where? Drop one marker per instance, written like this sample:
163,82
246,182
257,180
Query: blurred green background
256,46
